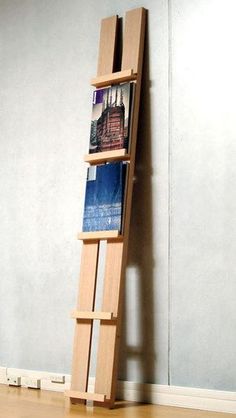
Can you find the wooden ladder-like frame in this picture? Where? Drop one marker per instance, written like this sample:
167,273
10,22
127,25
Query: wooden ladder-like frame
117,245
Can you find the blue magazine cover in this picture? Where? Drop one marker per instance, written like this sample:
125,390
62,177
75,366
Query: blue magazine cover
105,186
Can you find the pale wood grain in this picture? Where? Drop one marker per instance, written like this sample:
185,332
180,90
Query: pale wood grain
107,45
85,395
92,315
105,383
106,156
114,78
99,235
83,331
132,56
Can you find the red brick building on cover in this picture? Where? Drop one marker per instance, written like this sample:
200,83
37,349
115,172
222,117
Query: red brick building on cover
110,127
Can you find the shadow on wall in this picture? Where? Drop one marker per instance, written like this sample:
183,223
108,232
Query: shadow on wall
137,354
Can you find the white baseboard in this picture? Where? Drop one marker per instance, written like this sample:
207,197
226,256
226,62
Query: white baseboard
184,397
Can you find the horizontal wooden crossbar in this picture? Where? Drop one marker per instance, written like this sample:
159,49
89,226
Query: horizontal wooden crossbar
102,157
97,397
99,235
92,315
114,78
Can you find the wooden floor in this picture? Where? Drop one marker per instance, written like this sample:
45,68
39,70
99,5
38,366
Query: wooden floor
30,403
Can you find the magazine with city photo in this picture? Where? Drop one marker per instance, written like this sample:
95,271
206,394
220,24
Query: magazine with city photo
111,118
104,197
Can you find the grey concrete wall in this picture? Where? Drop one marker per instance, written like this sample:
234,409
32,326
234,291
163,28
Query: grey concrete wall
180,283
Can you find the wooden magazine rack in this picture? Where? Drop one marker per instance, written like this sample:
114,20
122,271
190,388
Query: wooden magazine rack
116,245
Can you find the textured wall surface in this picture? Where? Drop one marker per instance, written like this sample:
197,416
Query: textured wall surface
203,183
180,287
49,54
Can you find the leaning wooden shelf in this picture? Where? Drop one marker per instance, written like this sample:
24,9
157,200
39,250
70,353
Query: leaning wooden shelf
116,245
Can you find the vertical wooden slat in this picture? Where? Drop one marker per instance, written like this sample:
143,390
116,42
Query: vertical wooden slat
107,45
90,250
83,329
107,334
107,359
132,56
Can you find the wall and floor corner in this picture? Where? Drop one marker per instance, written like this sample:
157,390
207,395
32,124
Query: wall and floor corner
180,310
